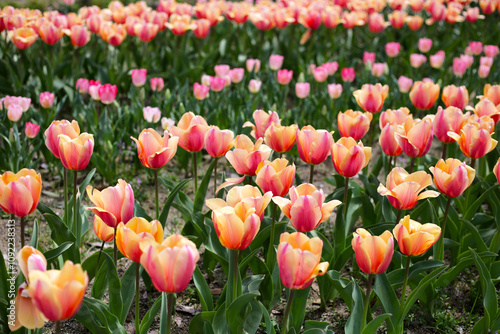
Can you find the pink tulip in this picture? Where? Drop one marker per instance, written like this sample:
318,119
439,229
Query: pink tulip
437,59
416,137
302,89
157,84
368,58
191,131
217,84
424,45
254,86
313,145
388,141
392,49
459,67
200,91
486,61
107,93
221,70
404,84
334,90
491,50
331,67
348,74
47,99
31,130
284,76
94,89
14,112
379,69
446,120
475,48
275,62
320,74
139,77
484,71
206,79
236,74
247,156
151,115
218,142
263,120
417,60
253,65
82,85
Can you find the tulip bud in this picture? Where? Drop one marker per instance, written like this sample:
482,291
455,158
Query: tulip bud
139,77
452,176
373,253
415,239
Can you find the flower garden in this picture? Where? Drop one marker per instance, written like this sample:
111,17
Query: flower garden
224,167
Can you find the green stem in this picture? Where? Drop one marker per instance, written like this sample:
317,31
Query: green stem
58,327
195,172
156,195
367,299
472,162
167,309
99,255
443,155
311,174
232,291
66,195
440,248
23,223
215,177
137,278
400,213
346,192
412,165
270,252
405,282
75,212
284,328
115,254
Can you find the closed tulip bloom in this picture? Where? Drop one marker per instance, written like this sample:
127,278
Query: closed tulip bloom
417,60
31,130
284,77
491,50
354,124
331,67
348,74
485,107
221,70
368,58
276,176
58,294
145,31
424,45
415,136
394,116
404,84
157,84
191,131
486,61
137,230
56,128
349,157
155,151
23,37
82,85
200,91
202,28
217,84
299,260
248,195
454,96
47,99
484,71
415,239
139,77
437,59
474,142
253,65
20,192
170,264
254,86
452,176
388,142
397,19
414,22
320,74
263,120
459,67
403,190
75,153
107,93
335,90
313,145
236,74
371,97
280,138
373,253
275,62
492,93
423,95
392,49
113,205
246,156
218,142
31,259
151,115
102,230
50,33
112,33
306,208
449,119
80,35
94,90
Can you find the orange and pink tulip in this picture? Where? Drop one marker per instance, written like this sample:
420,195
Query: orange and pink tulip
415,239
218,142
276,176
313,145
75,153
130,235
474,142
64,127
349,157
371,97
354,124
373,253
20,192
449,119
246,194
423,95
280,138
263,120
454,96
102,230
246,156
155,151
191,131
415,136
452,176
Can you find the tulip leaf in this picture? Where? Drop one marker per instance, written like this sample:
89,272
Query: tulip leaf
97,318
239,310
252,283
388,298
325,327
355,322
244,263
107,276
490,298
298,309
199,321
34,235
219,323
342,285
267,319
201,192
149,317
373,325
204,293
140,212
54,253
481,246
474,207
128,289
252,321
170,199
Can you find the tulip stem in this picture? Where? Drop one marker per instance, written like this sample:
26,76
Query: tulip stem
23,223
99,255
166,312
440,248
137,278
215,177
271,239
400,212
58,327
75,222
66,195
156,195
284,328
311,174
195,172
405,282
412,165
346,192
114,248
443,155
472,162
367,298
232,291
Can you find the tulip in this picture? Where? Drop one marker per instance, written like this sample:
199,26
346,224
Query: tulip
392,49
153,150
472,14
368,58
253,65
313,145
31,130
200,91
491,50
221,70
302,89
31,259
415,239
139,77
56,128
217,84
388,142
475,48
151,115
262,121
379,69
75,153
284,76
454,96
58,294
218,142
275,62
170,264
102,230
417,60
191,131
334,90
112,33
80,35
202,28
23,37
145,31
348,74
415,137
485,107
452,176
404,84
371,97
395,117
496,171
404,190
423,95
484,71
107,93
437,59
248,195
50,33
14,112
373,253
449,119
320,74
129,236
113,205
424,45
306,209
354,124
486,61
20,192
397,19
247,156
236,74
26,314
254,86
47,100
331,67
414,22
157,84
474,142
299,260
280,138
276,177
82,85
94,90
459,67
492,93
349,157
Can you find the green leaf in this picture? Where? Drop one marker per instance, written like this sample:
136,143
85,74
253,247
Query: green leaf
375,324
34,236
267,319
252,322
474,207
196,325
54,253
204,293
97,318
252,283
342,285
170,199
388,298
238,311
128,292
201,192
355,322
107,276
149,317
298,309
490,298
